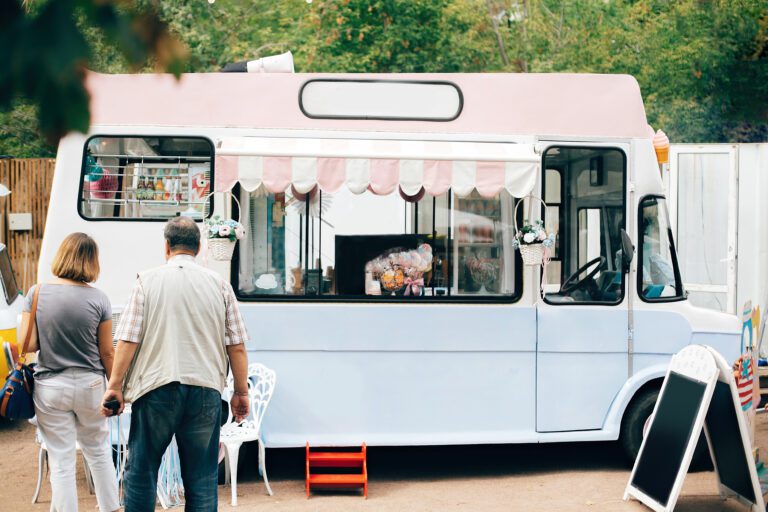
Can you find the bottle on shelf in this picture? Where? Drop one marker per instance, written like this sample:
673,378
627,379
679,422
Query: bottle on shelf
159,189
177,190
174,195
140,188
149,188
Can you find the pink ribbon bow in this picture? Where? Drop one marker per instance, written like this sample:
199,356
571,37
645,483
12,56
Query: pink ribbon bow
413,285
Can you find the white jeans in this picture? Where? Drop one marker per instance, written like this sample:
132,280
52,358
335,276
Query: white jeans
68,408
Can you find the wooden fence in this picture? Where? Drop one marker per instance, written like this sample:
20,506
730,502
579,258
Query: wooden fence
29,180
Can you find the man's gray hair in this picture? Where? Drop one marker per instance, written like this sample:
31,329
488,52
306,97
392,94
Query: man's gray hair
182,234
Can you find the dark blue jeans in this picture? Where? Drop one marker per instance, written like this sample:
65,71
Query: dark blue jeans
192,414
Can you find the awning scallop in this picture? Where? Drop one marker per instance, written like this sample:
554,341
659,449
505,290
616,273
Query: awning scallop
377,165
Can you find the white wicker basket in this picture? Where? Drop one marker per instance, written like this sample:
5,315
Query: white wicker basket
533,254
221,248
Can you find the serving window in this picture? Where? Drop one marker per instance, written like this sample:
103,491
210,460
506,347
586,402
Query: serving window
145,178
345,246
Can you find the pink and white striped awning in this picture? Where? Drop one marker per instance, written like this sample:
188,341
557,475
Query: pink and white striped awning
377,165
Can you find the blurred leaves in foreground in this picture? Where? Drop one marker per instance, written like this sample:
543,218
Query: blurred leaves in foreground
701,64
45,53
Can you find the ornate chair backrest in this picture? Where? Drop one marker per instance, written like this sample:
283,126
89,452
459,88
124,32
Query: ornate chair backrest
261,383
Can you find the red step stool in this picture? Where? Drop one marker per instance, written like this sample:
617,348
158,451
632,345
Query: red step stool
327,459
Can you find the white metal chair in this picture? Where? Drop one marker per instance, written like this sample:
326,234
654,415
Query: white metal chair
261,385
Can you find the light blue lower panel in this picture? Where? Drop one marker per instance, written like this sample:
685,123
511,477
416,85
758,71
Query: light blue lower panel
399,398
577,389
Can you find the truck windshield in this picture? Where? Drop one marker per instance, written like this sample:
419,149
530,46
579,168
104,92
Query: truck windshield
659,275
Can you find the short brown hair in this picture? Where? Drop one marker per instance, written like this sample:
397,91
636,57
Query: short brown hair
77,259
182,233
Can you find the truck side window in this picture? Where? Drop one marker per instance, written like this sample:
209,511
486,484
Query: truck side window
145,178
584,188
659,275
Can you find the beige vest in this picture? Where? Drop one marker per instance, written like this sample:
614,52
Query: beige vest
183,330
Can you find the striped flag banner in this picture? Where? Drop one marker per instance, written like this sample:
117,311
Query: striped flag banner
745,382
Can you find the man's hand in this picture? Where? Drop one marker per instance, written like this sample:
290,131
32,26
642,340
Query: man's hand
240,405
238,360
112,394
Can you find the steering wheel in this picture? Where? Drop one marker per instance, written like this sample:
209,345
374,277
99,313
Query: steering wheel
573,282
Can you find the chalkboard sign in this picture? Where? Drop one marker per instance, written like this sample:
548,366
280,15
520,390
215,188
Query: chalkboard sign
676,424
699,392
726,444
668,437
727,436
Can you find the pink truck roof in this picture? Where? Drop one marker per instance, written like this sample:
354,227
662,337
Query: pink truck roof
575,105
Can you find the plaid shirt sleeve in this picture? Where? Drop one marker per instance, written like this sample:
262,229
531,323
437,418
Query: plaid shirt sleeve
131,325
235,332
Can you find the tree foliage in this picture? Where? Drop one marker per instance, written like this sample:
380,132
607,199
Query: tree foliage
45,53
701,64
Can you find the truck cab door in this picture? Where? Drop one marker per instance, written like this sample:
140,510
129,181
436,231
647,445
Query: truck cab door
581,358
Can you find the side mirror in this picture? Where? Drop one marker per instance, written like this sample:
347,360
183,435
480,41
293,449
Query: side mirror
627,250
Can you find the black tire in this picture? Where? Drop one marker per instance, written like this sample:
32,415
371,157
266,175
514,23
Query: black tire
632,425
637,413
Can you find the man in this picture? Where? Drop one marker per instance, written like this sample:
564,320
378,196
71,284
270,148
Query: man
175,336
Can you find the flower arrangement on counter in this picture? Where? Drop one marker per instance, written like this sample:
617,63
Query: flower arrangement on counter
400,268
483,271
224,228
531,234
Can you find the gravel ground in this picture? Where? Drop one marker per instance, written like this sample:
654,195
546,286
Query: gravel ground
551,477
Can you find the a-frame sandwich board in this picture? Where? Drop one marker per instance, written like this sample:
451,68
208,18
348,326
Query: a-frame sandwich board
699,392
728,440
676,423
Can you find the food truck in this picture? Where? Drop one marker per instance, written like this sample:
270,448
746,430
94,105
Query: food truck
379,275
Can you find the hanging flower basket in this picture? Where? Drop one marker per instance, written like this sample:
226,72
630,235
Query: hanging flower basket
533,254
223,234
221,249
532,239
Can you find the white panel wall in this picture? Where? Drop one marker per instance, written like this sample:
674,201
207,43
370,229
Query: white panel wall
752,276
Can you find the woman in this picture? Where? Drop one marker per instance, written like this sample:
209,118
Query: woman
73,331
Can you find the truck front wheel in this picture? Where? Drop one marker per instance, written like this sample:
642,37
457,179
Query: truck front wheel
633,422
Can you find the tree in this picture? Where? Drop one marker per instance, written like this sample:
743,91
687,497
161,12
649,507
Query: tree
701,65
398,36
46,50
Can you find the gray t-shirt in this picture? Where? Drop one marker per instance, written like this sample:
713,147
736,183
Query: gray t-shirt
68,318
